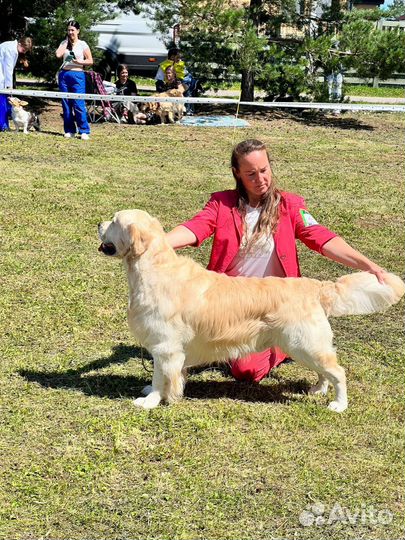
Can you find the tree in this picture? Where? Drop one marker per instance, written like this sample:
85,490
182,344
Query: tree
49,31
45,21
373,52
224,39
14,14
395,10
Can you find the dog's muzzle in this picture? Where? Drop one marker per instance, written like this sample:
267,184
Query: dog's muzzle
107,249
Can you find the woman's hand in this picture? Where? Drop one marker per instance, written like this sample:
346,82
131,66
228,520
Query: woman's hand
379,272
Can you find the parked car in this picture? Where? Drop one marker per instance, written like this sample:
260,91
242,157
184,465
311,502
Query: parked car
129,39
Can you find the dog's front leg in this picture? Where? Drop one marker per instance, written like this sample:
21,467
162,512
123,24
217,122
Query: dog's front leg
153,393
167,381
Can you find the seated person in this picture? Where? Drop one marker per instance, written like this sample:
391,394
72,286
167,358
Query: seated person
173,60
170,81
125,87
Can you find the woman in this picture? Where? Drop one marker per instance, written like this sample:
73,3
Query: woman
255,227
170,82
173,60
76,56
10,51
125,87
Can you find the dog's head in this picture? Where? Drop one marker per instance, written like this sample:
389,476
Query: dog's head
131,232
17,103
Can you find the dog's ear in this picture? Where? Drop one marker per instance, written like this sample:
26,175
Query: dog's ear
23,103
139,240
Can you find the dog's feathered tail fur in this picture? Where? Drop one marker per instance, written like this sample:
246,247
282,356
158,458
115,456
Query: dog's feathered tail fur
360,294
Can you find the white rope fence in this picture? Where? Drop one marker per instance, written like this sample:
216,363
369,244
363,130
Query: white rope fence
217,101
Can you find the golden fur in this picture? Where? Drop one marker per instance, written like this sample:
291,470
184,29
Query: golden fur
188,316
167,111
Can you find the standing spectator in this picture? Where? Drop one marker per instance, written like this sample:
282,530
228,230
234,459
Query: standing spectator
76,56
10,51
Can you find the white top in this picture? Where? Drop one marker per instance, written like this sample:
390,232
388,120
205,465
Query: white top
260,260
78,48
8,60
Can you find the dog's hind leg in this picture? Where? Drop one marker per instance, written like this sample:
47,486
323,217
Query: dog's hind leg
336,375
321,387
328,369
313,347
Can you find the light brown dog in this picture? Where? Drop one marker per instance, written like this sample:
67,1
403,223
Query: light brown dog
167,111
188,316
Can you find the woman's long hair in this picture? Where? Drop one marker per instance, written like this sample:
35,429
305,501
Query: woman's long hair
77,26
269,209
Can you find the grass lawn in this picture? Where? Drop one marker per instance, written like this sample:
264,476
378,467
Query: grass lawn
382,91
231,461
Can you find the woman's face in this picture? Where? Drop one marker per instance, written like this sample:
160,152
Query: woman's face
73,33
255,174
170,74
124,75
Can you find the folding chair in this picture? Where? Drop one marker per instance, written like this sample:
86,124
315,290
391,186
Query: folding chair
98,111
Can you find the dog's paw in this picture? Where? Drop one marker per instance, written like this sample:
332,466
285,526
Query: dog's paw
151,401
146,390
336,406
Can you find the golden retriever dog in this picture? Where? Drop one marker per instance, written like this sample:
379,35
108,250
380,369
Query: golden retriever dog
187,316
167,111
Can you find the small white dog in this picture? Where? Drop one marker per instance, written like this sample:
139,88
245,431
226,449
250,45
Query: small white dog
22,118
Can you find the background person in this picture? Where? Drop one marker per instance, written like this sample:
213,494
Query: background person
10,52
174,60
125,87
255,227
76,56
170,81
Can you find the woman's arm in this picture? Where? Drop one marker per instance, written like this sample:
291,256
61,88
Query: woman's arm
60,51
180,237
340,251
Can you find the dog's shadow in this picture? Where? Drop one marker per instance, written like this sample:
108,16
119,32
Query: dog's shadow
124,386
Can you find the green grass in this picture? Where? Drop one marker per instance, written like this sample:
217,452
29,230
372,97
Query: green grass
369,91
230,461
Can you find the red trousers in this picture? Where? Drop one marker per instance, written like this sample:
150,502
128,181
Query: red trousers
256,366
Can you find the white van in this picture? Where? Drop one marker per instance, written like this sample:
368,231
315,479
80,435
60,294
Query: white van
129,39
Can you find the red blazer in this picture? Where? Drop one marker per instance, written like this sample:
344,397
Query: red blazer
220,217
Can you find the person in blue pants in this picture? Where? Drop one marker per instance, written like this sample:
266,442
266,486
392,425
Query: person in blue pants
76,56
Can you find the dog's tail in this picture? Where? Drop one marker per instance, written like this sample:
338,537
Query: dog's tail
360,294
